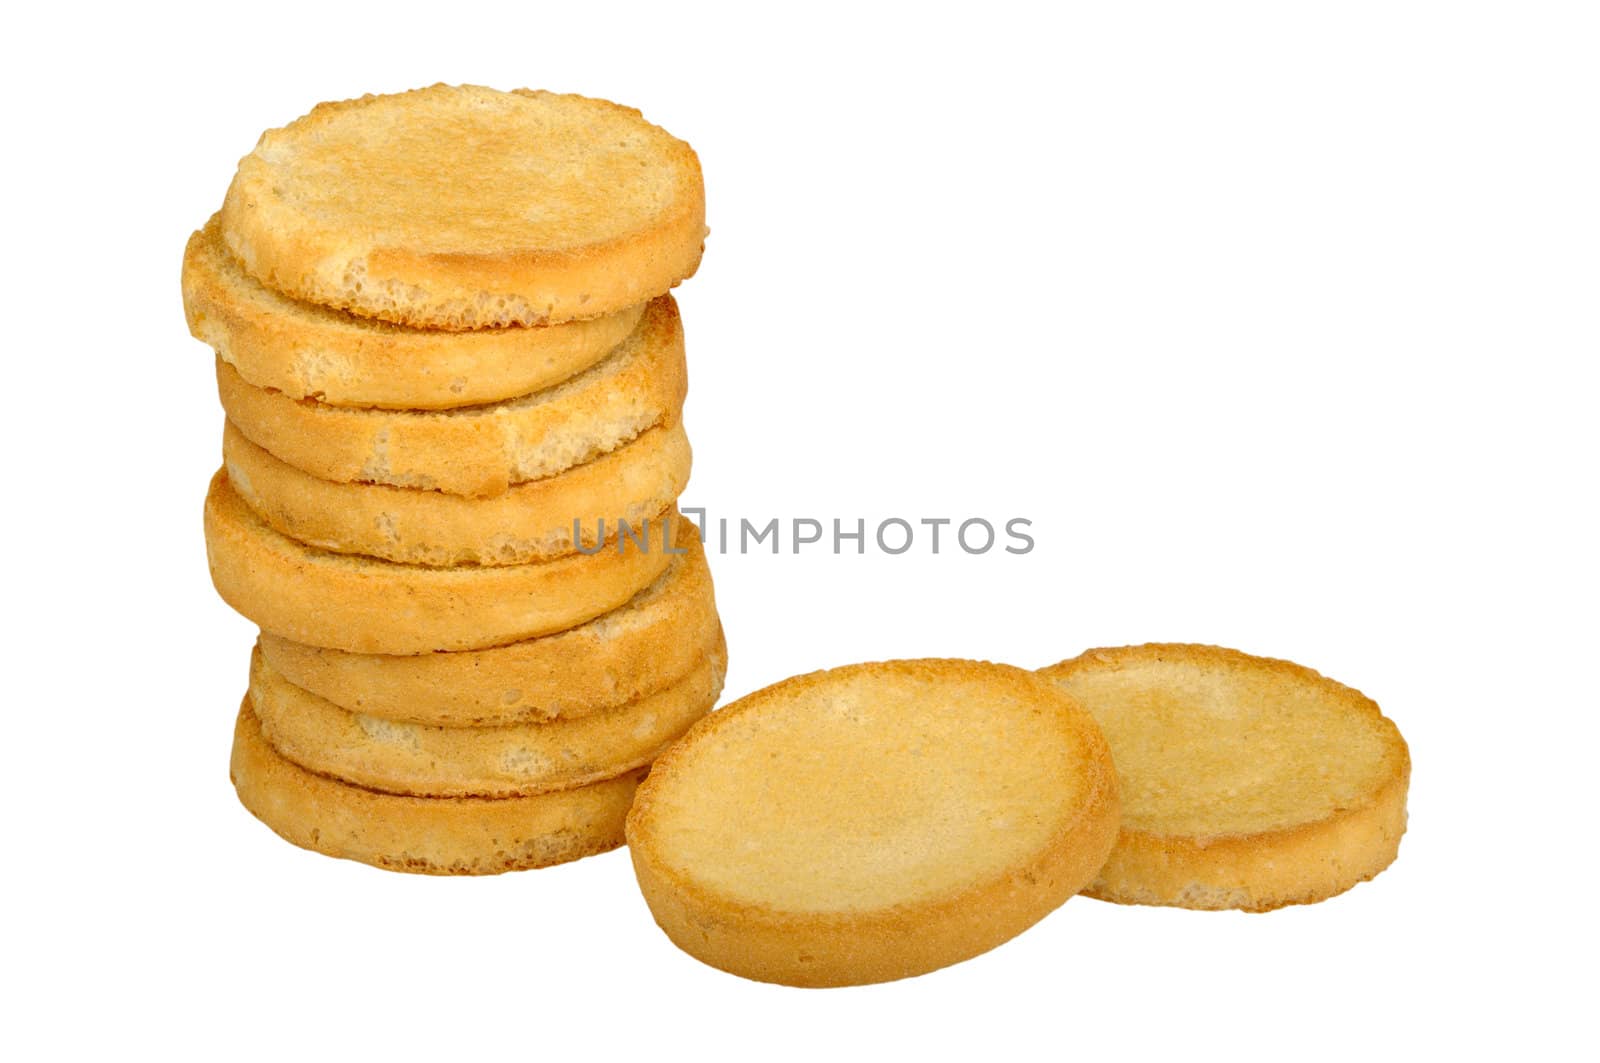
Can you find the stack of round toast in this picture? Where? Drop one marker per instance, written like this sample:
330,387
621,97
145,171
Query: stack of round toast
453,381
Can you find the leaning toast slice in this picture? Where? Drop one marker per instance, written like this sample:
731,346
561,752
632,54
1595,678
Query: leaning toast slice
874,821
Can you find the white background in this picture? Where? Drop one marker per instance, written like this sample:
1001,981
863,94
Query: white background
1279,322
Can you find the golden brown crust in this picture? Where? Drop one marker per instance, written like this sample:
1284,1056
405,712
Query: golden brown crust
641,647
1049,798
369,606
1258,873
533,521
458,207
397,757
476,450
308,351
423,835
1311,852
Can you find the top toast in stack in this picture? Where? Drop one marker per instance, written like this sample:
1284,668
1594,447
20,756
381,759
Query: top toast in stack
461,207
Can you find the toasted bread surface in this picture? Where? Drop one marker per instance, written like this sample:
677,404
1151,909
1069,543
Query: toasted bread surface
476,450
874,821
398,757
460,207
1247,782
370,606
309,351
424,835
649,643
533,521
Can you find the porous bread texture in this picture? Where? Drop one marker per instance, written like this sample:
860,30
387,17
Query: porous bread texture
1247,782
647,644
424,835
369,606
308,351
533,521
476,450
460,207
874,821
398,757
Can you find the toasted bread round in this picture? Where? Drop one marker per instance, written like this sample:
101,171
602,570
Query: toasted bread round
308,351
874,821
649,643
1246,782
425,761
369,606
533,521
459,207
476,450
425,835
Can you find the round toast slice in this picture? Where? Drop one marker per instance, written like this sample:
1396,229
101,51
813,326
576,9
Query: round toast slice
533,521
1247,782
460,207
476,450
397,757
365,605
308,351
647,644
424,835
873,822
